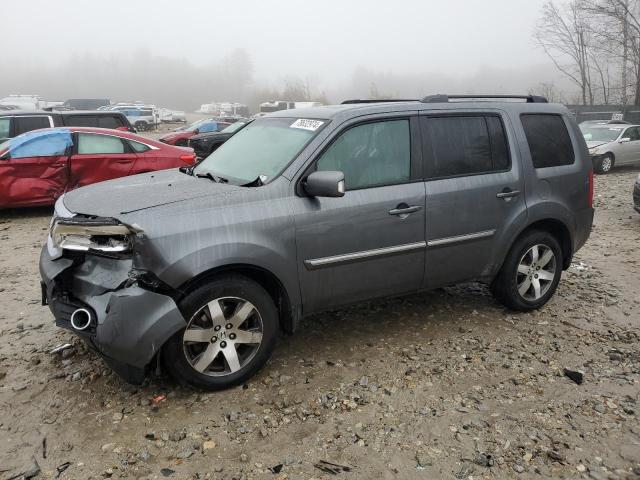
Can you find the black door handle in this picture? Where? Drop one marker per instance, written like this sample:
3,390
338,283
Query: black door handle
508,193
403,209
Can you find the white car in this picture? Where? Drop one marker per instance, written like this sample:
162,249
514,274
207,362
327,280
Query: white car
612,144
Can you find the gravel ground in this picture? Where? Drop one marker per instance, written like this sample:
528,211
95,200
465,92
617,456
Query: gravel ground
445,384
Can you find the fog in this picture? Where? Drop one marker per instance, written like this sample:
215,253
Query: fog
183,54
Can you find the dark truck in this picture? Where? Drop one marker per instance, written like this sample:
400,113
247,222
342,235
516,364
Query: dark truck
305,210
16,122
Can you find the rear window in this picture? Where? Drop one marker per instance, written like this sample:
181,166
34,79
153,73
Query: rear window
26,124
460,145
548,139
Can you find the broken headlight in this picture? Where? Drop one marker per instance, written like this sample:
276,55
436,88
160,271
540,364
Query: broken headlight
83,237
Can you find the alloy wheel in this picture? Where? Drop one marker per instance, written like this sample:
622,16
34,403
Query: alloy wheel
223,336
606,164
536,272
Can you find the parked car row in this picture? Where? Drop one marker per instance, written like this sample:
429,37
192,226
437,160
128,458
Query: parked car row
306,210
39,166
181,136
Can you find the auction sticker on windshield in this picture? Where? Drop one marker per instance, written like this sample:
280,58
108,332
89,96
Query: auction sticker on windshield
307,124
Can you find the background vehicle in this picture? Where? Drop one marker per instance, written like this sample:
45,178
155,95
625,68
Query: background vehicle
142,118
611,145
172,116
307,210
86,103
24,102
182,135
278,105
17,122
204,144
37,167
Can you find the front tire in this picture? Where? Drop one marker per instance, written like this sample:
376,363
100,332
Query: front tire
531,272
604,164
230,334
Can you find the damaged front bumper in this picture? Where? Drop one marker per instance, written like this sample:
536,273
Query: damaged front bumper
129,323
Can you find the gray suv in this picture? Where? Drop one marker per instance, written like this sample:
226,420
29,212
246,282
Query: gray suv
306,210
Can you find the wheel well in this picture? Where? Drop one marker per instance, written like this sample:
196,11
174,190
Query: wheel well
558,230
263,277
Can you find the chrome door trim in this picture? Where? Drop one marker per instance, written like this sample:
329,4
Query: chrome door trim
461,238
346,258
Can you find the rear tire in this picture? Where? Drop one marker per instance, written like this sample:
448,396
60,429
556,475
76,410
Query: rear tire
531,272
231,332
604,164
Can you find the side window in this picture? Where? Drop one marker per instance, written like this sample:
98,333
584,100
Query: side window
91,144
81,121
110,121
548,140
27,124
5,128
632,133
49,144
459,145
371,154
138,147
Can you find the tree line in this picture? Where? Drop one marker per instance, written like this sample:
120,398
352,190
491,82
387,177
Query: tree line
595,44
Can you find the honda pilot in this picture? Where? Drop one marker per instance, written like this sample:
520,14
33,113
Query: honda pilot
198,269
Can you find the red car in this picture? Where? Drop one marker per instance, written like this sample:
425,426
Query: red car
181,136
39,166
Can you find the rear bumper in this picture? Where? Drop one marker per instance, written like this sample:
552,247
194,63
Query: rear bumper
584,223
129,324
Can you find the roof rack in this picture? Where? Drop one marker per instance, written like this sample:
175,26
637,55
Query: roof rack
356,101
445,98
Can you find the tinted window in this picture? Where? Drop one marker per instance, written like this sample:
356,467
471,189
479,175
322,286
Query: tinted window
81,121
26,124
371,154
92,144
464,145
138,147
109,121
5,125
40,144
548,140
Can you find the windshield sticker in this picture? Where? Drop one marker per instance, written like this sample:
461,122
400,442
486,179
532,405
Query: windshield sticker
306,124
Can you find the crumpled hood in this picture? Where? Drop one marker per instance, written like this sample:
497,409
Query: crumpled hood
141,192
595,143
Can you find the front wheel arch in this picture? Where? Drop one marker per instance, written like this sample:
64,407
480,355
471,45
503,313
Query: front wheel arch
288,315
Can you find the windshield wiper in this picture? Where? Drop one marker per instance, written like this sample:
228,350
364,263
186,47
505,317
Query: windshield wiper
187,170
212,177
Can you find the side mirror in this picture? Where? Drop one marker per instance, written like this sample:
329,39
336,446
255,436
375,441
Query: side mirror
325,184
625,140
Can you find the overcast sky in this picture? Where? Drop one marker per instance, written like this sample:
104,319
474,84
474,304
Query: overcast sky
286,36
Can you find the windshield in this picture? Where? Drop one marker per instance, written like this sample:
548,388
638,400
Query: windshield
233,127
264,147
595,134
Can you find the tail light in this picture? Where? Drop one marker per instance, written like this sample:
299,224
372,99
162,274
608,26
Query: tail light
189,159
590,199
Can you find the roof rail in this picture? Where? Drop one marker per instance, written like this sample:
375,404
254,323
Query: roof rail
356,101
445,98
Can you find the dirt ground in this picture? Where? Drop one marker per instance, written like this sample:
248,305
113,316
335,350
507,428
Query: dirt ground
446,384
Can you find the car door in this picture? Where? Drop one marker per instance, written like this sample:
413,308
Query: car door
34,169
100,157
369,243
474,191
629,151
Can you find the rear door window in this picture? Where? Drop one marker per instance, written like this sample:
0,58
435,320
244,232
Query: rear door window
110,121
26,123
548,138
90,144
138,147
464,145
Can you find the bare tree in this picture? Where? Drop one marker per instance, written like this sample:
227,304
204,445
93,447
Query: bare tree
618,25
565,36
549,91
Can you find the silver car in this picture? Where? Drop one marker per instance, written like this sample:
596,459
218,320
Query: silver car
611,145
